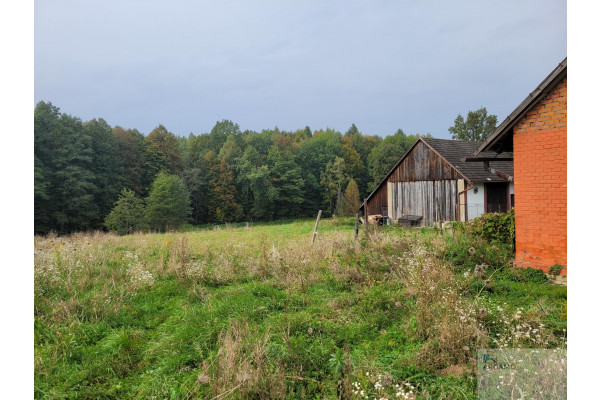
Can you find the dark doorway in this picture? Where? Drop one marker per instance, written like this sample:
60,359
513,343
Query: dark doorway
496,197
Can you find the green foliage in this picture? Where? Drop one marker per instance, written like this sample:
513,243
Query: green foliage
221,205
76,172
195,180
495,227
168,205
106,167
313,156
286,184
130,151
128,215
263,192
528,275
363,145
465,252
478,126
161,153
333,180
555,269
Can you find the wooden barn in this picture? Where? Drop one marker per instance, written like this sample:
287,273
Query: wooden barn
433,182
536,133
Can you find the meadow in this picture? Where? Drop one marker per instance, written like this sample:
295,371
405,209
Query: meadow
258,312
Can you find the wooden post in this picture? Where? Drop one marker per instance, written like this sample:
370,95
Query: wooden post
316,226
366,218
438,212
356,226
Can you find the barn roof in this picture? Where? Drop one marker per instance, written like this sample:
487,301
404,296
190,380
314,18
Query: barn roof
501,138
452,151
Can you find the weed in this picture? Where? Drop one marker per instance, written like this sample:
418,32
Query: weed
555,269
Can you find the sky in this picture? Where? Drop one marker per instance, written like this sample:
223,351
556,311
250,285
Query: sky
382,65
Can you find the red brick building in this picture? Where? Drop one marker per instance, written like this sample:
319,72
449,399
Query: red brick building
536,133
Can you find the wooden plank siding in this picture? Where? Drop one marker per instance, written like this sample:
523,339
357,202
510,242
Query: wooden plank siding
423,164
419,198
420,178
378,200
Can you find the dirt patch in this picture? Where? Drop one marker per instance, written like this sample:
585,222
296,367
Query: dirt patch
456,370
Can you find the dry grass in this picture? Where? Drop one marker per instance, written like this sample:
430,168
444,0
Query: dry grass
240,368
448,322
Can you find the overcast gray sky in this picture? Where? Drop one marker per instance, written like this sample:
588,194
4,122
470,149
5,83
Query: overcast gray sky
380,64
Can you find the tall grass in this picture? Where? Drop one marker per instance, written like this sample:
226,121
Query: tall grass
256,311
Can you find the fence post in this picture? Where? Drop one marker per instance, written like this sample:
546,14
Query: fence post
316,226
366,218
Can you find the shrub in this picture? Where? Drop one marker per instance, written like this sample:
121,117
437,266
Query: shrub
495,227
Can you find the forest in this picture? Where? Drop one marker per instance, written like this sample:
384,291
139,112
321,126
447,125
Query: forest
89,175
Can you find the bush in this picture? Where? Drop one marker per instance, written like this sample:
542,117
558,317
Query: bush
495,227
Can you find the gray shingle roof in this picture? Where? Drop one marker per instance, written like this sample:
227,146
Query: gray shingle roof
454,150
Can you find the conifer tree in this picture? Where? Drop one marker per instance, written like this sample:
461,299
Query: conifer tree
128,214
352,197
168,205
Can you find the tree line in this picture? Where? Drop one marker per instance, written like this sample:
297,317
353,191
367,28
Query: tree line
89,175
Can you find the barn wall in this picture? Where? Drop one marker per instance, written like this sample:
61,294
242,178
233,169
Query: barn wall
378,200
424,198
423,164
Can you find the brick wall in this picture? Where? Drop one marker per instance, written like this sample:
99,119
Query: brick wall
540,162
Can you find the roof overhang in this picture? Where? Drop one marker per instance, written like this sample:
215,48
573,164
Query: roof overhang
501,139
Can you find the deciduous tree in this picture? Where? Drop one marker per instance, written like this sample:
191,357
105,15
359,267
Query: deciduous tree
286,184
478,126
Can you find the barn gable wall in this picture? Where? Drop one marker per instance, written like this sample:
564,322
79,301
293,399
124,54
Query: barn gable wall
423,164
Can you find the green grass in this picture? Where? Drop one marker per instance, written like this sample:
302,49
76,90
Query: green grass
256,311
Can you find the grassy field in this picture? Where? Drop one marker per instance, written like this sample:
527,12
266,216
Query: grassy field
256,311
